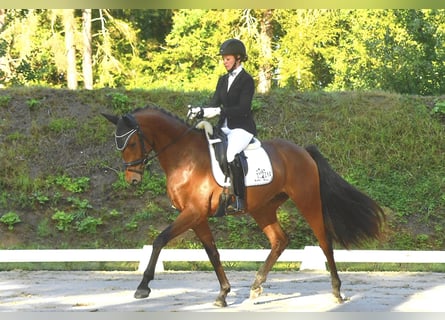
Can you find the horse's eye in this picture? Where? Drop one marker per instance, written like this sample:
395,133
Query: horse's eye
132,145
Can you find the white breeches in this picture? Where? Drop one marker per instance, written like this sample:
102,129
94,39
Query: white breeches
238,140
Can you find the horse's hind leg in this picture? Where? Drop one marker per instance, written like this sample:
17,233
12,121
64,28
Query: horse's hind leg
335,279
325,243
267,221
205,235
312,212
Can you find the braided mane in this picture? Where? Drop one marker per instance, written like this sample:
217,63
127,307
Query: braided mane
166,112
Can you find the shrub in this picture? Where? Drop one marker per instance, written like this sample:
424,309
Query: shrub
10,219
88,225
63,220
4,100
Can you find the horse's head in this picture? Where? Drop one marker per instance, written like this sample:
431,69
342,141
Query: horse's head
131,141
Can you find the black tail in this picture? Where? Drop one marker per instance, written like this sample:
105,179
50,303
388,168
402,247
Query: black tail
350,216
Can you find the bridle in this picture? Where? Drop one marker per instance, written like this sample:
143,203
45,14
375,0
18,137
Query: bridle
146,158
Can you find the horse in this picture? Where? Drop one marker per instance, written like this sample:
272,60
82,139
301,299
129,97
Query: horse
336,211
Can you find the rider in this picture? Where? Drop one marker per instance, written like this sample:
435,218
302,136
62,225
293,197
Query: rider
232,100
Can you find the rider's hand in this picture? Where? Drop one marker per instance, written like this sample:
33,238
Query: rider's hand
211,112
195,112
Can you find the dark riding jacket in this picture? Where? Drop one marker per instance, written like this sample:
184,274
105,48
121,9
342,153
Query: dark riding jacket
236,104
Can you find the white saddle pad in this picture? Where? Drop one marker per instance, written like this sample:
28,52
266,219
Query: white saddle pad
260,168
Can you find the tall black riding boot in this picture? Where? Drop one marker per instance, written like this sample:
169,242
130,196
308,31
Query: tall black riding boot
237,177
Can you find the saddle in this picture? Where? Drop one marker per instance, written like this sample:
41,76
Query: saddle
221,152
254,159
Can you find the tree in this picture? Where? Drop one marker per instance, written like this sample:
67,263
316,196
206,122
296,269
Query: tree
255,28
2,18
71,74
308,37
394,50
190,59
87,64
26,48
3,46
265,43
115,50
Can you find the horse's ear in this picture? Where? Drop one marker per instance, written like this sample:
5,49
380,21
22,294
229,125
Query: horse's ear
112,118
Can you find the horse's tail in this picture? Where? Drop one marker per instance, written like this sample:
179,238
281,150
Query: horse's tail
349,215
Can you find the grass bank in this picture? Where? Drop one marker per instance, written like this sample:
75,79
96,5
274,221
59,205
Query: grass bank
61,184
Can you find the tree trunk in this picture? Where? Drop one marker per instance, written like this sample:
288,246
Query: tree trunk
71,73
3,60
87,67
2,18
265,39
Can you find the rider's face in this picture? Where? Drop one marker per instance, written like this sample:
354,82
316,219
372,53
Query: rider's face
229,61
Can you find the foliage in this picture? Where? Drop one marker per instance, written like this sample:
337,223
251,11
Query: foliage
63,220
88,224
397,50
80,206
10,219
439,108
308,37
114,213
62,125
120,103
4,100
83,222
155,183
94,126
40,198
33,103
75,185
33,52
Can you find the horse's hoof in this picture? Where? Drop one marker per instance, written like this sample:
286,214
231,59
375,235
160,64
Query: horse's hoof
340,299
255,293
142,293
220,303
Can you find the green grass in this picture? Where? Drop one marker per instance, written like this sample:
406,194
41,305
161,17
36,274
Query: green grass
228,266
62,125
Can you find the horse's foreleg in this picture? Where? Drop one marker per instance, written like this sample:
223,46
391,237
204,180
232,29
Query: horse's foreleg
278,241
205,235
143,291
183,222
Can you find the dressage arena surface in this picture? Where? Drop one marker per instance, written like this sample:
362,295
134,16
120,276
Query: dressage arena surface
48,291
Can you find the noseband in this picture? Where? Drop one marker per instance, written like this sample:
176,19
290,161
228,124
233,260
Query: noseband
122,142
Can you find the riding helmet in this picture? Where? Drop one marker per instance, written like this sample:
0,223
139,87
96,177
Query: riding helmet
234,47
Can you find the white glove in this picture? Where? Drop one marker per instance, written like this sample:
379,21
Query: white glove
195,112
211,112
199,112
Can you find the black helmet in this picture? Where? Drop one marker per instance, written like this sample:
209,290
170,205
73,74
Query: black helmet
234,47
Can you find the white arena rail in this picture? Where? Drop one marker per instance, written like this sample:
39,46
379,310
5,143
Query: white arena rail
311,257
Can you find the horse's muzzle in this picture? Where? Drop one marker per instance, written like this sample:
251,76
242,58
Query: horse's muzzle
133,177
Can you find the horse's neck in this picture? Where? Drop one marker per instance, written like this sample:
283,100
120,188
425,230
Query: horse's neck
174,142
183,152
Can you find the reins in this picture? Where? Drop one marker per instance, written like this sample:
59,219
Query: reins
146,158
168,145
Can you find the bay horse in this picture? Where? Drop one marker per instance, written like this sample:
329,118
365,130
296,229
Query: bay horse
334,209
